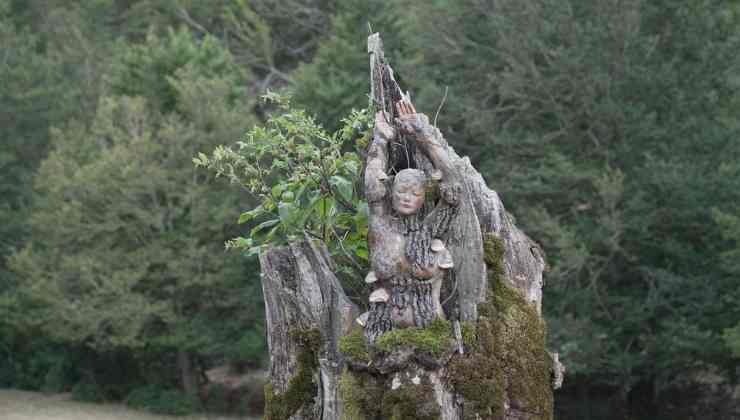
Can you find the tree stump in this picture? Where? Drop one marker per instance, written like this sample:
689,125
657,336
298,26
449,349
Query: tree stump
480,355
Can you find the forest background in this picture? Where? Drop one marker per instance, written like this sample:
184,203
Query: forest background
609,128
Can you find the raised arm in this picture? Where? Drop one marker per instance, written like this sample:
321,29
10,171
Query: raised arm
427,138
377,162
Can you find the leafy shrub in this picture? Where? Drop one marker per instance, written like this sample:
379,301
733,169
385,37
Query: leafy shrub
87,392
305,180
217,399
251,347
308,187
37,365
160,400
59,377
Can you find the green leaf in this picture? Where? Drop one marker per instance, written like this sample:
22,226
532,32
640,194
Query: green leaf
343,186
251,214
287,212
264,225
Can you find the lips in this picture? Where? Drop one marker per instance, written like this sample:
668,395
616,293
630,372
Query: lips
407,205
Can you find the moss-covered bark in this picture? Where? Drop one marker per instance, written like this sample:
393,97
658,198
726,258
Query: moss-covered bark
354,346
435,340
302,387
507,360
505,368
368,397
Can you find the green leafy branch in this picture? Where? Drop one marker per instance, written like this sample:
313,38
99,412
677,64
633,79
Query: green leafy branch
303,178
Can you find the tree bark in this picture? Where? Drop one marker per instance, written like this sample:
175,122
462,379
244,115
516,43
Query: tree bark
307,312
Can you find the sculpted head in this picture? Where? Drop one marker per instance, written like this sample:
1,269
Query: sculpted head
408,191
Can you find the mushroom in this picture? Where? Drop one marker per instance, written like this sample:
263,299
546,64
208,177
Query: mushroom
379,295
437,245
362,319
371,278
382,176
445,260
436,175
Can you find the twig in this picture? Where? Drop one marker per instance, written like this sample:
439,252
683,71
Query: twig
184,15
439,108
346,253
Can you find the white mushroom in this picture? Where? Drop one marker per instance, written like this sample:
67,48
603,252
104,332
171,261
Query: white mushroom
437,245
436,175
362,319
396,382
445,260
379,295
382,176
371,278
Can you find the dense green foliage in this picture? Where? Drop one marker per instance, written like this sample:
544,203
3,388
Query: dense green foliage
609,129
306,184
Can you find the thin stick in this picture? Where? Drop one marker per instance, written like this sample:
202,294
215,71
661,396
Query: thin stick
439,108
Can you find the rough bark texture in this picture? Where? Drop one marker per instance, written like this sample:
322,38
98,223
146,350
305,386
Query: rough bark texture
487,361
307,313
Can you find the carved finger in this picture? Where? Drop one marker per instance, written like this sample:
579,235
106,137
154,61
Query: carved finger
400,109
383,127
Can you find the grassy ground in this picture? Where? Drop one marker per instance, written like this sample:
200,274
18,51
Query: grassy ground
21,405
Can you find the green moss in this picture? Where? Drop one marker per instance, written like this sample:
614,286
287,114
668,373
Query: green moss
493,254
508,356
354,346
469,336
410,402
434,339
352,394
361,396
301,388
479,377
366,397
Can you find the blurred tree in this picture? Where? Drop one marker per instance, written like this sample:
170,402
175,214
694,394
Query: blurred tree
127,236
335,81
606,126
28,99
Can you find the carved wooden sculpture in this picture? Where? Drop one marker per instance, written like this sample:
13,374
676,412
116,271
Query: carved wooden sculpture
407,240
453,330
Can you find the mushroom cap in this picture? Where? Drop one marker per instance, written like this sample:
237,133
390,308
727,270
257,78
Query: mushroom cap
445,260
436,175
379,295
371,278
437,245
362,319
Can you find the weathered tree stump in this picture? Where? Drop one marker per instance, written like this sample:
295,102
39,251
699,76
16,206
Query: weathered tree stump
482,356
307,313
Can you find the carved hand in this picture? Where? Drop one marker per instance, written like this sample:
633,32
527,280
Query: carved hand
407,117
414,124
382,128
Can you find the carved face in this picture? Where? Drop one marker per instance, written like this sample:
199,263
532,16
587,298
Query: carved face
408,192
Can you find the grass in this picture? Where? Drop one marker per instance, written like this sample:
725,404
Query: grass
22,405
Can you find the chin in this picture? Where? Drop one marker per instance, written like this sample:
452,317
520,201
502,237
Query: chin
406,211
